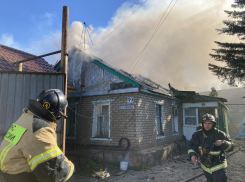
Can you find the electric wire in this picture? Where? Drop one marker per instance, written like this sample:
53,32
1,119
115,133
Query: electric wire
120,23
157,28
79,114
153,32
153,36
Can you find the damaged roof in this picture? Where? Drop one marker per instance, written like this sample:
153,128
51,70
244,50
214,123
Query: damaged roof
144,82
10,55
192,96
135,81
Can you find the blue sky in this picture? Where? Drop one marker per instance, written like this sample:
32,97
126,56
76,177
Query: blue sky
181,46
27,20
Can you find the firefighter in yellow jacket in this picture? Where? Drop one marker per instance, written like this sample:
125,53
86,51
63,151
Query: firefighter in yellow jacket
29,151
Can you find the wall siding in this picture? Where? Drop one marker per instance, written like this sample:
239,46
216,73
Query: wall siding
15,91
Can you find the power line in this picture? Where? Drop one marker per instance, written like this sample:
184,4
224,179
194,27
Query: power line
153,36
121,23
153,33
157,28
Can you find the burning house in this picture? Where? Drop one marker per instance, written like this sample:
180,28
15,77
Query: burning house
112,105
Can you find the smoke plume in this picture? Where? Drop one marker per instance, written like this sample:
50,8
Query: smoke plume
178,53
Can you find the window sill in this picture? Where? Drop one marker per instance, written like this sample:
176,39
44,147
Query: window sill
159,137
103,139
175,134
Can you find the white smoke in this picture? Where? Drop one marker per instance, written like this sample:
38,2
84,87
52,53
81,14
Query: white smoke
178,53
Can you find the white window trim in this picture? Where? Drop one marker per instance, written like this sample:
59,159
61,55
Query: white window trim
162,110
101,102
175,106
194,126
103,139
160,137
74,137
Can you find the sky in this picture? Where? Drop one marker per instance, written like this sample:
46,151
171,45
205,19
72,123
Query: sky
178,53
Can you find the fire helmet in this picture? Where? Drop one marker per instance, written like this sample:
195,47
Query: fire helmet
208,117
49,104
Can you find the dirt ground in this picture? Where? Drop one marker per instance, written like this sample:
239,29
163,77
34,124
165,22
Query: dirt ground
177,169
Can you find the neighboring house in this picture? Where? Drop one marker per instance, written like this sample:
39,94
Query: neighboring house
236,104
195,106
9,55
16,88
113,104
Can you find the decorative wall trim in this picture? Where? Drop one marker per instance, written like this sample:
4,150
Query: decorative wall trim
103,101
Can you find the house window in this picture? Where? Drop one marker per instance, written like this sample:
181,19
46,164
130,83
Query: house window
71,122
175,120
101,119
190,116
159,119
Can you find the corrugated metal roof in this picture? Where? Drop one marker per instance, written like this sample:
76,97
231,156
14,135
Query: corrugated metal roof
10,55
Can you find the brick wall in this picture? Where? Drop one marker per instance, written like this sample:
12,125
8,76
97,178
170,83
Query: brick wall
138,124
146,124
119,119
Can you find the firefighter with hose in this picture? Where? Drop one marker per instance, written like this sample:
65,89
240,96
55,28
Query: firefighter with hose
211,143
29,151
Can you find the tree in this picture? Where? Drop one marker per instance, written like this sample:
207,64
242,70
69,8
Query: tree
232,54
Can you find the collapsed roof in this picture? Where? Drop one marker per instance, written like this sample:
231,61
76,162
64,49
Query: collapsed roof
135,80
192,96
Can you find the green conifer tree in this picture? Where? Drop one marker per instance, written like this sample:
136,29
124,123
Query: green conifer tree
232,54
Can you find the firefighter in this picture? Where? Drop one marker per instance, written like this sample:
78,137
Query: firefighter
213,93
29,151
210,144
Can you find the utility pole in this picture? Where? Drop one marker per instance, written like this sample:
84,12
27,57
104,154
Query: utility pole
64,61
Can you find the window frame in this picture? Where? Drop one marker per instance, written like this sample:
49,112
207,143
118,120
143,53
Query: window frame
196,116
99,107
100,103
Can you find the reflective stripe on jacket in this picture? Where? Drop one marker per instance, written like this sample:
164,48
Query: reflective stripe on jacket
213,157
36,152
